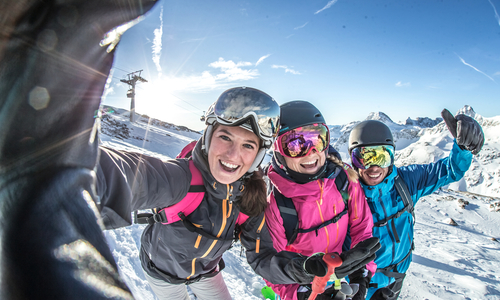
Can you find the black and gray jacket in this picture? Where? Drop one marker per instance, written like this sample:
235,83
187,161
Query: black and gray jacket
131,181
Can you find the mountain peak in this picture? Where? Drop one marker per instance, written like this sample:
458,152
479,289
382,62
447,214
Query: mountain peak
424,122
467,110
379,116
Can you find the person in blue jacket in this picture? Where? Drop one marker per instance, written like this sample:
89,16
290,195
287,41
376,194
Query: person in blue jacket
371,147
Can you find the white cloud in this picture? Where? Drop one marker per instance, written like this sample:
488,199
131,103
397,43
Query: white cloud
328,5
496,13
402,84
262,59
497,73
302,26
469,65
109,90
229,64
226,73
157,46
287,70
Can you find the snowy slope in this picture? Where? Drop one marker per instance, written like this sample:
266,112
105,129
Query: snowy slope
450,262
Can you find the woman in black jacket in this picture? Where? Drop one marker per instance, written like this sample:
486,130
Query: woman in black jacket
241,126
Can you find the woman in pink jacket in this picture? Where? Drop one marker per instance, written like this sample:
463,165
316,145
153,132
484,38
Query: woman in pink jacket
309,178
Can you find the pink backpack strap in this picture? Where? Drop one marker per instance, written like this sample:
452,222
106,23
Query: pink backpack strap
186,151
189,203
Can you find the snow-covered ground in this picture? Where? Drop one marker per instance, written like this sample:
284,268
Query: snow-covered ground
459,261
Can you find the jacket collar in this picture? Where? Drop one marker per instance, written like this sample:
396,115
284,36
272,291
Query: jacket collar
289,188
215,188
382,188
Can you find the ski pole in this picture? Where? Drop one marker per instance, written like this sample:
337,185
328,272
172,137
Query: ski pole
332,260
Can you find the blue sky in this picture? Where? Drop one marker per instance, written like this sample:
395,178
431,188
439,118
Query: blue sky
347,57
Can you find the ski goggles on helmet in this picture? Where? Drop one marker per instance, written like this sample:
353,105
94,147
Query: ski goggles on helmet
365,157
249,108
300,141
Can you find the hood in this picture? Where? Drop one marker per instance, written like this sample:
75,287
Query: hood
212,186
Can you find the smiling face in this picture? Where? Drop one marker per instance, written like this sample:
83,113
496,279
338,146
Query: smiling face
373,175
309,164
231,153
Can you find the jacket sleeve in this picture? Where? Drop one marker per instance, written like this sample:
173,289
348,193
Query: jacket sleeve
129,181
360,218
423,180
276,267
276,230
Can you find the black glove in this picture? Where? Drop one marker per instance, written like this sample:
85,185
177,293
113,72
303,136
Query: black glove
465,130
352,260
362,277
383,294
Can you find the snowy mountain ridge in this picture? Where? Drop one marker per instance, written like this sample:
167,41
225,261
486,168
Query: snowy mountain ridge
456,232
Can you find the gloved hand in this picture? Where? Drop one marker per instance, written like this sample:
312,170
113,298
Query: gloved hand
362,277
384,293
465,130
352,260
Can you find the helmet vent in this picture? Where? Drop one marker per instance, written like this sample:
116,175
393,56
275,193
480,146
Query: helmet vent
317,115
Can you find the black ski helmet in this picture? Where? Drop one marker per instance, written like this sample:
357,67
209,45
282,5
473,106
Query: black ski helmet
298,113
370,133
295,114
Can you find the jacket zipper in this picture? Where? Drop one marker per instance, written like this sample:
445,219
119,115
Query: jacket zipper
257,246
319,204
225,215
355,203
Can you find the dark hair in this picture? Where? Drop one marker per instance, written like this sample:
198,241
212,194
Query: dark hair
254,199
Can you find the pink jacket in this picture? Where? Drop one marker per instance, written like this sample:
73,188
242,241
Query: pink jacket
317,201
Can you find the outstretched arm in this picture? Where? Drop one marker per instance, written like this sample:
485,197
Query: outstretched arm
53,72
128,181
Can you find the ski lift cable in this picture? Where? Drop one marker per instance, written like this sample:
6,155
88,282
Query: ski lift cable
121,69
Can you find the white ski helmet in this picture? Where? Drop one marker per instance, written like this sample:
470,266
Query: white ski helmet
248,108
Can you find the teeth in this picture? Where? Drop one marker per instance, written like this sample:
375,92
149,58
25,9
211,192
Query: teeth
228,165
309,162
374,176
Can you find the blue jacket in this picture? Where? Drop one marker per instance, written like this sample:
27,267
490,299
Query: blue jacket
396,237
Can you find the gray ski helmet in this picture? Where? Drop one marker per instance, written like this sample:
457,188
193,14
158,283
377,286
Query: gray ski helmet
298,113
370,133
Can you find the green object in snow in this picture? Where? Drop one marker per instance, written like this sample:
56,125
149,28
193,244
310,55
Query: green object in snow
268,293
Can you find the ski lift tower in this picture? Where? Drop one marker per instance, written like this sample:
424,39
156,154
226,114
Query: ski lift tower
131,81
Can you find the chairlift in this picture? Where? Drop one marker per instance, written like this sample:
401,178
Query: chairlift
130,93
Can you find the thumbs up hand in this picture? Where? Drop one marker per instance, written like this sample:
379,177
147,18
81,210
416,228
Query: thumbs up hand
467,131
